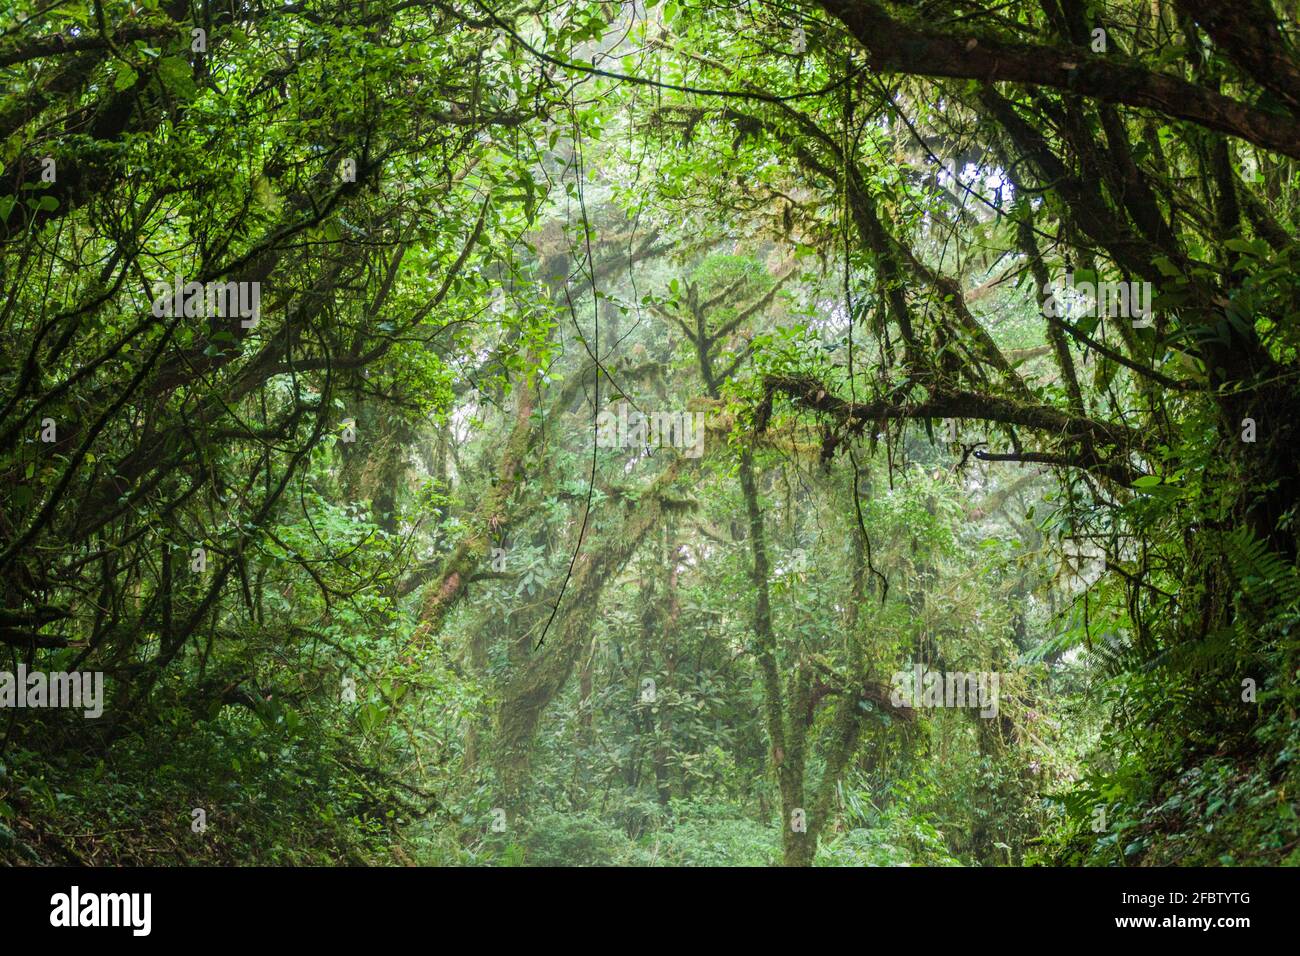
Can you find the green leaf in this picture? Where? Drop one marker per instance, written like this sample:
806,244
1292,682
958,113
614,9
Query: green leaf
125,77
177,76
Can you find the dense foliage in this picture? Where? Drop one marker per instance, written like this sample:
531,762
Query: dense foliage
378,565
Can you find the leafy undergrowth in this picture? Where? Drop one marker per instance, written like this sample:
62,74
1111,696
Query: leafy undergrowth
694,834
265,800
1235,808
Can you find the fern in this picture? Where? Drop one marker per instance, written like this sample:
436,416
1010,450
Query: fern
1265,578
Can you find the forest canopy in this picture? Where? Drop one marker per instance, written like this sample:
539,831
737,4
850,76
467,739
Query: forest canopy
697,432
